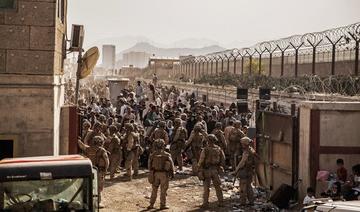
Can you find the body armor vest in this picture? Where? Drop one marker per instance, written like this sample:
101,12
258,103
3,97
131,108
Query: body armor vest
212,156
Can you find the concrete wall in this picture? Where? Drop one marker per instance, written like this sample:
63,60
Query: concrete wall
31,83
322,68
328,131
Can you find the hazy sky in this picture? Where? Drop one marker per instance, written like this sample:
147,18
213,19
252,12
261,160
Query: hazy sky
225,21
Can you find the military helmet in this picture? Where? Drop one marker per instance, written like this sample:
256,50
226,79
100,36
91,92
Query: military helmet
98,140
245,141
162,124
86,123
237,123
212,138
183,116
159,144
198,127
218,125
129,127
177,121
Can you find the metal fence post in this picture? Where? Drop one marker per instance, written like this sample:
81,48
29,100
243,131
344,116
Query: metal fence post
333,51
356,71
242,65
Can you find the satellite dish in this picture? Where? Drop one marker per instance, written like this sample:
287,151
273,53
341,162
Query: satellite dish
89,61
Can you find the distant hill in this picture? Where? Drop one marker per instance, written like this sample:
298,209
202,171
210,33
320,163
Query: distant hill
170,52
193,43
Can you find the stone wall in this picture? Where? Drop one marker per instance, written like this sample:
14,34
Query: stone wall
31,82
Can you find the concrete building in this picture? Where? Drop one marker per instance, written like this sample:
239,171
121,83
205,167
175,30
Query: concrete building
108,56
163,63
136,59
32,36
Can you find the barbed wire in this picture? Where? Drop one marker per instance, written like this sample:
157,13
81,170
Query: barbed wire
340,38
308,84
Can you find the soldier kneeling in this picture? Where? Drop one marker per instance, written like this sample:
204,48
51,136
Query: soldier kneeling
161,169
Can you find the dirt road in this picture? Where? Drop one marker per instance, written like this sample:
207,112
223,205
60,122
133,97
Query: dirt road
184,194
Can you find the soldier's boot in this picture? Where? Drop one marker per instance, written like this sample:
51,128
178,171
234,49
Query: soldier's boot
112,176
164,207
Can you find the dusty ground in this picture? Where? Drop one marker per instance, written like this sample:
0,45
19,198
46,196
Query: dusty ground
184,194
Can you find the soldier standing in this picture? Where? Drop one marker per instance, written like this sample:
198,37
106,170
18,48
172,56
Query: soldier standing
160,133
99,158
161,169
234,147
245,171
212,161
130,147
228,130
115,151
196,143
86,126
220,136
97,131
178,142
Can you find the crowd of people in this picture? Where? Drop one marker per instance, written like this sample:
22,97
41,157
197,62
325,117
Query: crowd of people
339,185
164,129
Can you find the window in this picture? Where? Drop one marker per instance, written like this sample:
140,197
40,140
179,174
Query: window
7,4
70,194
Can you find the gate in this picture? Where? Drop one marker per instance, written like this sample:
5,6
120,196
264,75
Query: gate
277,145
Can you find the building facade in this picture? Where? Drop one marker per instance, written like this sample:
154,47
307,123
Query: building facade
136,59
32,51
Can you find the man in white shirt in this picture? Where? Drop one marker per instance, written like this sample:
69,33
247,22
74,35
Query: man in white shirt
139,92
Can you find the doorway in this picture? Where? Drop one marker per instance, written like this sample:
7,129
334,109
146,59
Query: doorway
6,149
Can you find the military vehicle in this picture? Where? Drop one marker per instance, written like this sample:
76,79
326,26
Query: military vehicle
54,183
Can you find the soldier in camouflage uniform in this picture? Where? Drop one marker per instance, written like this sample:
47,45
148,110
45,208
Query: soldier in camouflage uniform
99,158
160,133
161,169
130,145
196,143
211,163
97,131
220,136
178,142
245,171
86,126
115,150
234,147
